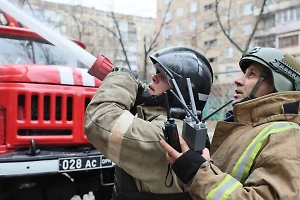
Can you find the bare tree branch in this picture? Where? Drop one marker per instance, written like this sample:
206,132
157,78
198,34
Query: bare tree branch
120,39
228,15
256,25
153,44
117,35
258,19
78,22
223,29
106,28
205,49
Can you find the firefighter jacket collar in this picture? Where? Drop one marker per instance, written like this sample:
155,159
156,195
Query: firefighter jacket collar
280,106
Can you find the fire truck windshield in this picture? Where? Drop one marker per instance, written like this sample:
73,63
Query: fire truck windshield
18,51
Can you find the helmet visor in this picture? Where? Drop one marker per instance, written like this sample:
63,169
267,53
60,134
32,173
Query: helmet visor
164,71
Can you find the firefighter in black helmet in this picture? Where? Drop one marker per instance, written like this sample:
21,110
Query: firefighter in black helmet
180,63
132,143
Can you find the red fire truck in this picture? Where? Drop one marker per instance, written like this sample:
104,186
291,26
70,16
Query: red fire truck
44,153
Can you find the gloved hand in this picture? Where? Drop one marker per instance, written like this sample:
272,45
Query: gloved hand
141,85
101,67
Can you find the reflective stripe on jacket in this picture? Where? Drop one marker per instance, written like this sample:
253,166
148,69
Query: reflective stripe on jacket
260,148
241,170
130,142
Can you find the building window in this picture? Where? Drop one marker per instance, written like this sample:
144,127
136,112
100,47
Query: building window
148,38
180,43
168,32
298,13
167,1
87,33
179,11
266,41
110,24
269,22
210,6
289,41
51,16
284,17
111,54
74,29
87,24
229,71
101,32
210,43
169,44
248,29
229,32
168,16
193,24
229,52
63,28
270,2
123,26
193,7
247,9
228,14
212,60
39,14
291,14
148,28
210,24
179,28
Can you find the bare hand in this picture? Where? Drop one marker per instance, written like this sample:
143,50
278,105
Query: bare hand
171,153
206,154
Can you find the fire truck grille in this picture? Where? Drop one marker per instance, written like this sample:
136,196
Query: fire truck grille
31,132
48,114
46,107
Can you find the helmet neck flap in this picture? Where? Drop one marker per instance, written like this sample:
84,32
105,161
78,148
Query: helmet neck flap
180,63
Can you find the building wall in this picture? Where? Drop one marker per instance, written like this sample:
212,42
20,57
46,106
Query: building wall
96,29
191,23
279,20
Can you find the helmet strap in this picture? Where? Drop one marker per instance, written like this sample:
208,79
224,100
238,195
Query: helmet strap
262,77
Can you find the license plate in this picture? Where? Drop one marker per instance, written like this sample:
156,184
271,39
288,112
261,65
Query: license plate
83,163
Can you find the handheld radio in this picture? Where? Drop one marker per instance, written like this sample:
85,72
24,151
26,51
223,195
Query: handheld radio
170,131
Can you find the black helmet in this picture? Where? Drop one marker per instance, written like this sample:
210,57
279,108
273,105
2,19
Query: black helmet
180,63
284,67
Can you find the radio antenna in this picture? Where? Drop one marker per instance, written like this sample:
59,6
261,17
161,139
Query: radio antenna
206,118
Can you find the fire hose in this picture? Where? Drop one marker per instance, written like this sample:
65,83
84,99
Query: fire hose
98,67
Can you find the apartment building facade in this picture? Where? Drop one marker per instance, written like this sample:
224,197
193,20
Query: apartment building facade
97,29
204,24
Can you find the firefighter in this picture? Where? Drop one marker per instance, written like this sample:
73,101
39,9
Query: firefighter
132,143
257,154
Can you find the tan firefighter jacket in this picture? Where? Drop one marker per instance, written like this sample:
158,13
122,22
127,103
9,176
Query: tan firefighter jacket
130,142
257,156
